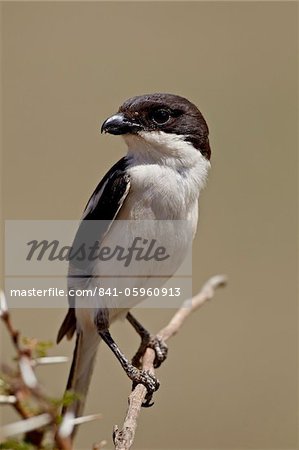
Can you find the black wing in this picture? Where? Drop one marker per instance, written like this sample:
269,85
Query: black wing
108,196
104,205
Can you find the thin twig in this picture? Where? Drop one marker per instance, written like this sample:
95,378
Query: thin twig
124,438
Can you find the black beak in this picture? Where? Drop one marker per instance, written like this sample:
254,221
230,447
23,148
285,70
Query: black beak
119,124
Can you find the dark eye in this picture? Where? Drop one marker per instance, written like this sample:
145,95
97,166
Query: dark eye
160,116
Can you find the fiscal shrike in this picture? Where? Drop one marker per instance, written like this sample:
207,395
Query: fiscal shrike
160,178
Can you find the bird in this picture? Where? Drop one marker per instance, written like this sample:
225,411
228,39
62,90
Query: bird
159,179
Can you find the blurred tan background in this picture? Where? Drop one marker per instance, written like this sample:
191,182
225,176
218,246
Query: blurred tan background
230,380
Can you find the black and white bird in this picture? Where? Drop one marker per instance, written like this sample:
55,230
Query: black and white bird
160,178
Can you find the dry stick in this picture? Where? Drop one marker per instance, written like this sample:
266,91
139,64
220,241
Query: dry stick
123,439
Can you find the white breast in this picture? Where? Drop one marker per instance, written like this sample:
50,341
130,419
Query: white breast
166,177
167,174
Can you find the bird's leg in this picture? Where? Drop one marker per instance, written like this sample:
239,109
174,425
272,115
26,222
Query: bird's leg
154,342
145,339
135,374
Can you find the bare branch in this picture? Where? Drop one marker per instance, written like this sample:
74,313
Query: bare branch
123,439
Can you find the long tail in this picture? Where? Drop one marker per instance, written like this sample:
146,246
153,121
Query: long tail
81,370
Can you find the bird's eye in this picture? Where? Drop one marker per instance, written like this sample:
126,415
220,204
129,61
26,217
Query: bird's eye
160,116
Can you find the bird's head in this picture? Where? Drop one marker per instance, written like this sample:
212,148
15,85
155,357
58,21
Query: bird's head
161,120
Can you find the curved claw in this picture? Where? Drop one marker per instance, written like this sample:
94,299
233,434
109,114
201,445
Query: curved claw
150,382
147,402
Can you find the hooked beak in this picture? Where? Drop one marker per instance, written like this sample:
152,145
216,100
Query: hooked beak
119,124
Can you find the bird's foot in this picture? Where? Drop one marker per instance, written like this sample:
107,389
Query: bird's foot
161,350
157,344
148,380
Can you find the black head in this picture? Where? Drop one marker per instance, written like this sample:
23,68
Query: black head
167,113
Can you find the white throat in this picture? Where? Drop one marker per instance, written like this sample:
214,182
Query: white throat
169,150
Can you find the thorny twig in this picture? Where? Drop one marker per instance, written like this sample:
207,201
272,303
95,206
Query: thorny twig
39,414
